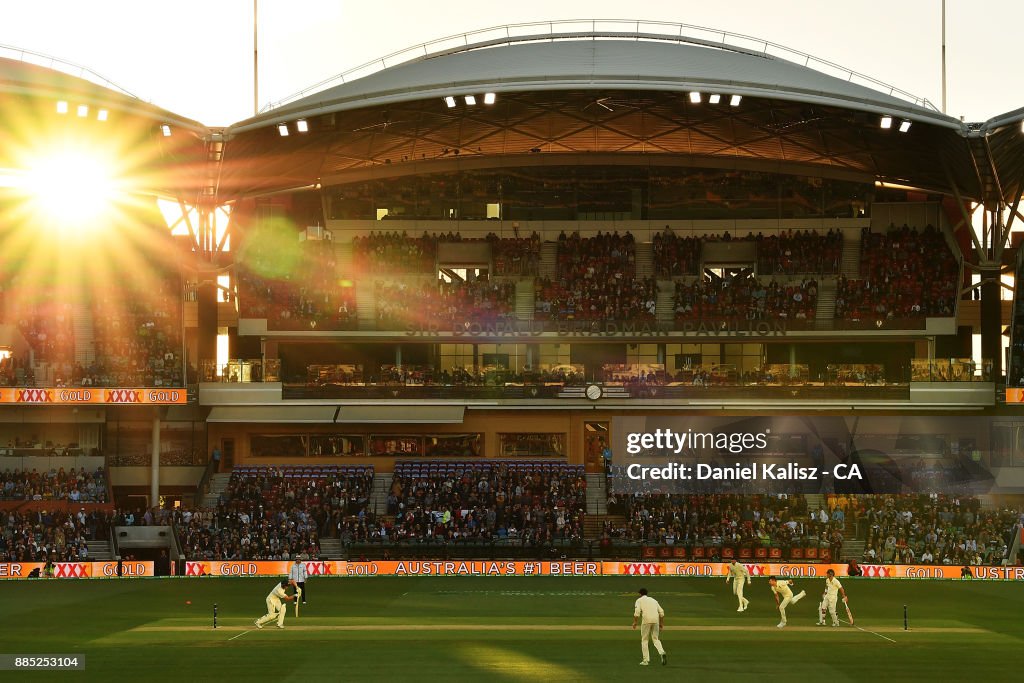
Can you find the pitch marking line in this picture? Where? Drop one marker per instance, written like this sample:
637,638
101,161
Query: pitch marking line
240,634
867,631
547,627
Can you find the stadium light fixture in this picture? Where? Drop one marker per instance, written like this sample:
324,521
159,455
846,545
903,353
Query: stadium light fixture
302,125
489,98
450,101
282,129
471,100
886,122
695,97
165,130
905,125
715,99
735,100
62,107
102,115
83,111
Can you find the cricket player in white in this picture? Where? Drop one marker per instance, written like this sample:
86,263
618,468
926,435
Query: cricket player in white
652,619
275,608
833,589
783,587
738,574
297,578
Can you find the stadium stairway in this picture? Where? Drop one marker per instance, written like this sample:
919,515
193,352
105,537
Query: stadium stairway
343,256
218,483
85,341
850,263
379,495
826,308
665,310
597,494
644,252
366,306
525,299
853,549
99,551
815,501
548,259
331,548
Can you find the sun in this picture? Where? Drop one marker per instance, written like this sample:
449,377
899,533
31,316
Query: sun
72,190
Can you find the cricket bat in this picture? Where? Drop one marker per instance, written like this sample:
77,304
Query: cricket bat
849,614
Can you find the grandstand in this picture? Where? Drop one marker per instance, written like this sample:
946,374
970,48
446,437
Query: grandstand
415,324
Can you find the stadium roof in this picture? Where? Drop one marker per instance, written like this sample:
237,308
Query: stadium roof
611,97
31,85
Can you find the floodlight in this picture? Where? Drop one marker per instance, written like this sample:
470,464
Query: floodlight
695,98
489,98
450,101
734,101
886,122
905,125
302,126
715,99
83,110
471,100
101,115
62,107
282,129
166,130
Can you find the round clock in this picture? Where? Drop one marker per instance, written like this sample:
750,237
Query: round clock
594,392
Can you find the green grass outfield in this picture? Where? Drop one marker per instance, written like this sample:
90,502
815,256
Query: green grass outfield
510,629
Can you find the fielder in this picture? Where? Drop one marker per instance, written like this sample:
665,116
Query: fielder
275,608
829,599
783,587
297,577
652,619
738,573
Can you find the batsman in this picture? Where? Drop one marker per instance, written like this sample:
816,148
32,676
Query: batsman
833,589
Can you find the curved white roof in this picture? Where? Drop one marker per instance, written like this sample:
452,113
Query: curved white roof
600,64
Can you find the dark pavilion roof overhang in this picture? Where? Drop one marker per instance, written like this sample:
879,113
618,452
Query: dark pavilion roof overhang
606,100
171,165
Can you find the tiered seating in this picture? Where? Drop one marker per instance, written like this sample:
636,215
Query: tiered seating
42,536
904,274
277,513
520,501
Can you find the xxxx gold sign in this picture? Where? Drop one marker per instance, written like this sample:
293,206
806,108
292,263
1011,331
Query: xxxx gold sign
92,396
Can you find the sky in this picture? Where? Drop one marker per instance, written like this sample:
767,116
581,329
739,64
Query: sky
195,57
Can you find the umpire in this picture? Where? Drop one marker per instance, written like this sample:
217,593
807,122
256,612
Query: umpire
297,576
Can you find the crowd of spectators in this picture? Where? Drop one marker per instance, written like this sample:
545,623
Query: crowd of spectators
930,528
54,484
596,280
674,255
519,502
276,513
480,301
393,252
904,273
800,252
49,536
313,296
44,318
743,296
138,340
515,255
16,371
722,520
